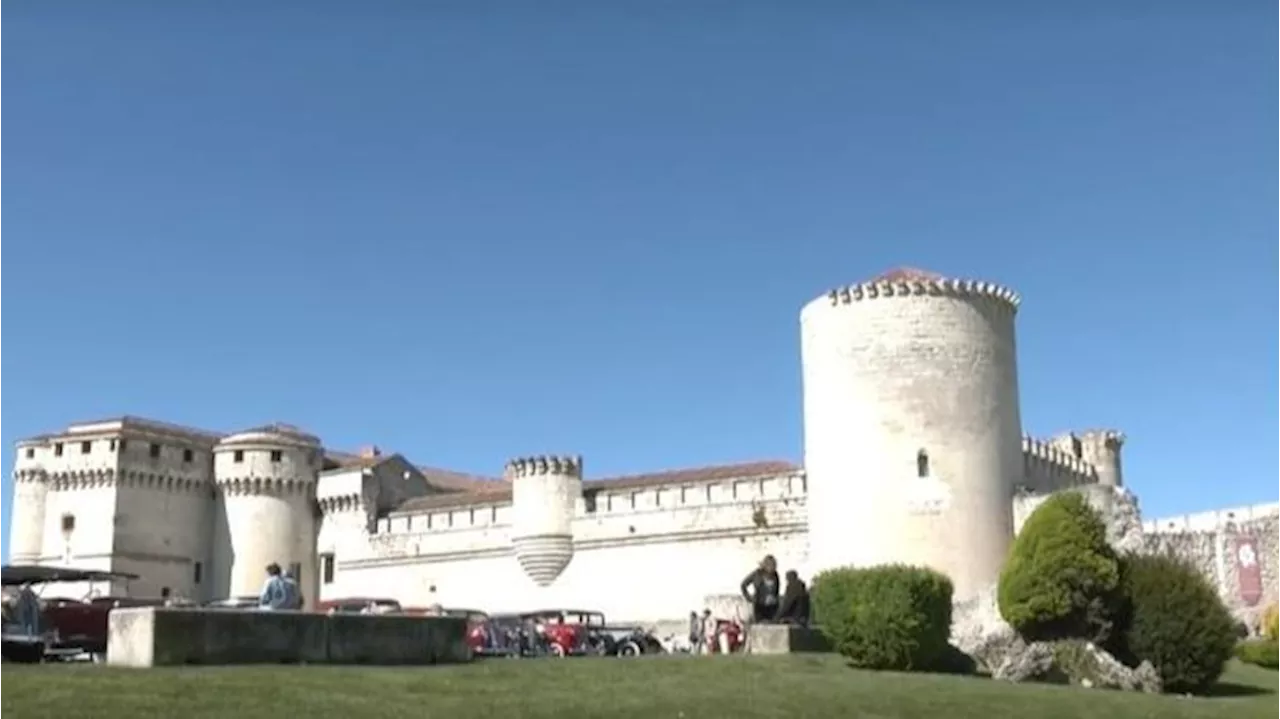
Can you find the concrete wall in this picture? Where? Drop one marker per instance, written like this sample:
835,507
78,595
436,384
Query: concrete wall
150,636
896,371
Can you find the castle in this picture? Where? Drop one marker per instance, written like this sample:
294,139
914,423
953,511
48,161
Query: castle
913,452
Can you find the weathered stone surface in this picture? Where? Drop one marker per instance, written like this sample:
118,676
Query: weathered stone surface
161,636
1079,663
785,639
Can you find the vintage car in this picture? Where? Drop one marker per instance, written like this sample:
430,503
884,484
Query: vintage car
68,628
243,602
359,605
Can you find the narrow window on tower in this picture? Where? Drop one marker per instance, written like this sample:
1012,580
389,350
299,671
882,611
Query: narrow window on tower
922,464
326,568
197,573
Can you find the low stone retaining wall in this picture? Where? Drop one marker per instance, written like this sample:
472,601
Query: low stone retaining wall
165,636
785,639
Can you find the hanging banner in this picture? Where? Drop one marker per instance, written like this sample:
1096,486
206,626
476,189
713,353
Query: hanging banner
1248,570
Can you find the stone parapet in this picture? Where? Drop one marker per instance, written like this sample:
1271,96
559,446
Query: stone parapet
785,639
161,636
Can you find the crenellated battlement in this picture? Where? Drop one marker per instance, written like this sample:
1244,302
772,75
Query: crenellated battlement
264,486
1048,464
543,465
914,283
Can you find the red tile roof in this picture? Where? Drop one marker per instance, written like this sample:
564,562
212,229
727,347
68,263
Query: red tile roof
907,274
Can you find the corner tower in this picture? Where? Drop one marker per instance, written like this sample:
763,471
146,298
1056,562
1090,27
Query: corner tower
1101,448
265,513
544,495
27,513
912,432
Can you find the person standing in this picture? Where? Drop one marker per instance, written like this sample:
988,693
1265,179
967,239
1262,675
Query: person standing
695,633
275,593
761,588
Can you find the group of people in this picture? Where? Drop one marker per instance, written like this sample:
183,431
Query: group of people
771,602
280,591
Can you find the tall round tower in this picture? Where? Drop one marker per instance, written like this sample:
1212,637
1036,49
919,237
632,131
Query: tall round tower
912,433
1101,448
266,480
544,495
26,518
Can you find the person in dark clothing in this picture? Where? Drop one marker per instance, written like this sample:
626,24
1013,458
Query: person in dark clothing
761,588
794,608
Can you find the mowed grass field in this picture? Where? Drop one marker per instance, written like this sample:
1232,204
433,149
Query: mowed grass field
818,686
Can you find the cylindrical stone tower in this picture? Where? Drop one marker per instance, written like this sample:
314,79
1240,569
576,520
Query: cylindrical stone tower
265,513
1101,448
544,495
26,518
912,433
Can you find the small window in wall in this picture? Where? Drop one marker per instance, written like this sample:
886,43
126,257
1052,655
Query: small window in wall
277,455
31,452
326,568
57,450
237,456
165,592
68,522
111,445
197,572
155,451
124,444
295,571
188,456
922,464
86,447
589,500
1076,448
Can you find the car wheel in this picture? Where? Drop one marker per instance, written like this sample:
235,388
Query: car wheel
629,649
557,651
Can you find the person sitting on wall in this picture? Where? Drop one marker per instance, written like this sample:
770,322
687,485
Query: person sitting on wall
761,587
794,608
275,593
294,594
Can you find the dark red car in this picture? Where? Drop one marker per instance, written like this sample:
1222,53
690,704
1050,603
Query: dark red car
72,627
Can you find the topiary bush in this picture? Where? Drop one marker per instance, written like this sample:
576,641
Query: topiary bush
1171,616
1061,576
1271,622
1263,652
891,617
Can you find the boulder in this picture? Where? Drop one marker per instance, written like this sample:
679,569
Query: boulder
1073,662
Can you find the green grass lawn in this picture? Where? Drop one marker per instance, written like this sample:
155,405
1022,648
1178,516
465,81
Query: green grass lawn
741,687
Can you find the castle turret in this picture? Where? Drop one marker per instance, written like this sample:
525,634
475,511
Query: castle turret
912,433
1101,448
27,511
265,513
544,494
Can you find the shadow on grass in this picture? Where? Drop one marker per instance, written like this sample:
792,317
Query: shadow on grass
1232,689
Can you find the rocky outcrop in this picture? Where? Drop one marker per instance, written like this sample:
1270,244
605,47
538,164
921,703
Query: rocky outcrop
1078,663
979,631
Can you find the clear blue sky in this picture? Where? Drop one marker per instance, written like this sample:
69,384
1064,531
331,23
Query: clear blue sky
467,231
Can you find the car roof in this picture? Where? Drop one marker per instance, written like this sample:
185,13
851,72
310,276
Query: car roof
14,574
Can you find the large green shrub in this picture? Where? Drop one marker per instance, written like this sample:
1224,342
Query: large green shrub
1263,652
891,617
1061,576
1172,617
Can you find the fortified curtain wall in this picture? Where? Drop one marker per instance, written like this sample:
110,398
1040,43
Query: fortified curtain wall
657,560
1048,468
613,517
1241,558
